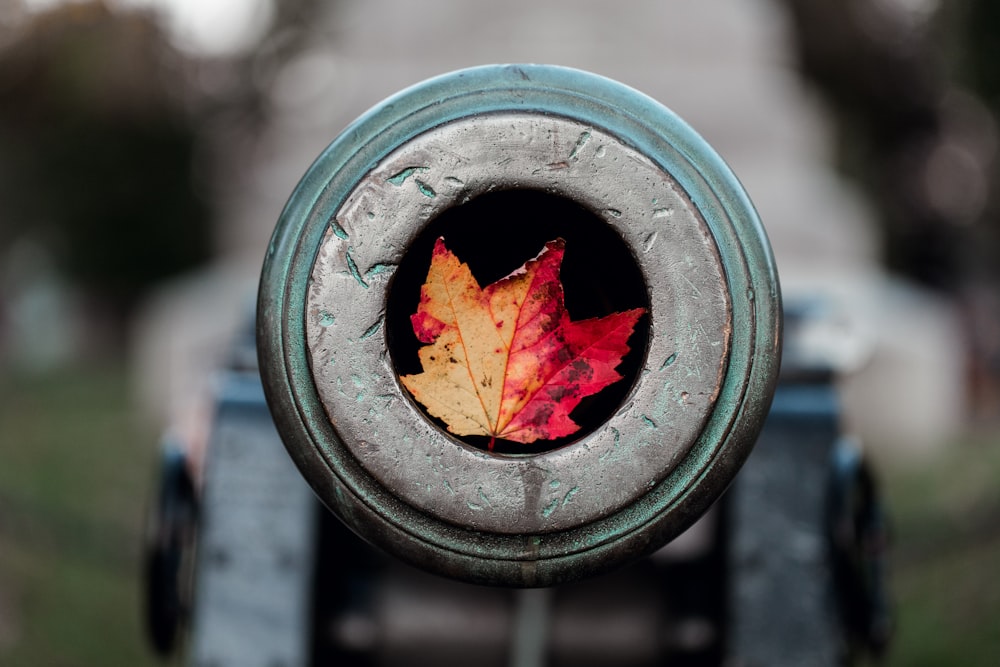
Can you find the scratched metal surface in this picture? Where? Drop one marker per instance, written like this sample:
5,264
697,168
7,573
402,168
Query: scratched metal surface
565,513
599,473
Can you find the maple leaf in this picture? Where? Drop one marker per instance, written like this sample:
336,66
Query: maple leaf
506,361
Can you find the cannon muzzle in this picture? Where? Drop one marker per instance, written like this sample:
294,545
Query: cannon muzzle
498,162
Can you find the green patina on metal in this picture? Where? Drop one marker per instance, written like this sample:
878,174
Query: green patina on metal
373,328
400,178
425,189
326,319
352,266
669,506
338,231
580,143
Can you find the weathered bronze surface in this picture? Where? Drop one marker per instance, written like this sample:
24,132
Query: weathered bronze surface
700,396
600,473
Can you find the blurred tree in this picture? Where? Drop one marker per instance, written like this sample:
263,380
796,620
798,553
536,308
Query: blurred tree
100,151
915,88
980,61
976,54
879,74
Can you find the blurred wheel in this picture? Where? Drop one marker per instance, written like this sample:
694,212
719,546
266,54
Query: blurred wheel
168,550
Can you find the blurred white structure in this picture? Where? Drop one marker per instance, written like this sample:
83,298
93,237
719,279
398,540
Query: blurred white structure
726,67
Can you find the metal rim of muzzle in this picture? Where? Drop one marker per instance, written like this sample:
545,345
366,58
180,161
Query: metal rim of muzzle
615,494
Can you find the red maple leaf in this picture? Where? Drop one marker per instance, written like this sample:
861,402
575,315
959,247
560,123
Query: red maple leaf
506,361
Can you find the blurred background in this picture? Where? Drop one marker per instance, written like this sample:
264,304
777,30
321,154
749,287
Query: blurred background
147,147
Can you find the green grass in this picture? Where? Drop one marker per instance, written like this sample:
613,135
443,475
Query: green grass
75,471
946,557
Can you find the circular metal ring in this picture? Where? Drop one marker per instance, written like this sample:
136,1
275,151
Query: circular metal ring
690,417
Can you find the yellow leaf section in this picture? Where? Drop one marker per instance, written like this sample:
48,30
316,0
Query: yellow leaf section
464,368
463,374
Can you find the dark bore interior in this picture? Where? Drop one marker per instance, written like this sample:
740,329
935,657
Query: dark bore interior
495,234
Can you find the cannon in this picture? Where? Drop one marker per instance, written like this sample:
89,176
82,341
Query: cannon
467,177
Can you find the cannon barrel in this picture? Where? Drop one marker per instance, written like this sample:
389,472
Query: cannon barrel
499,160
